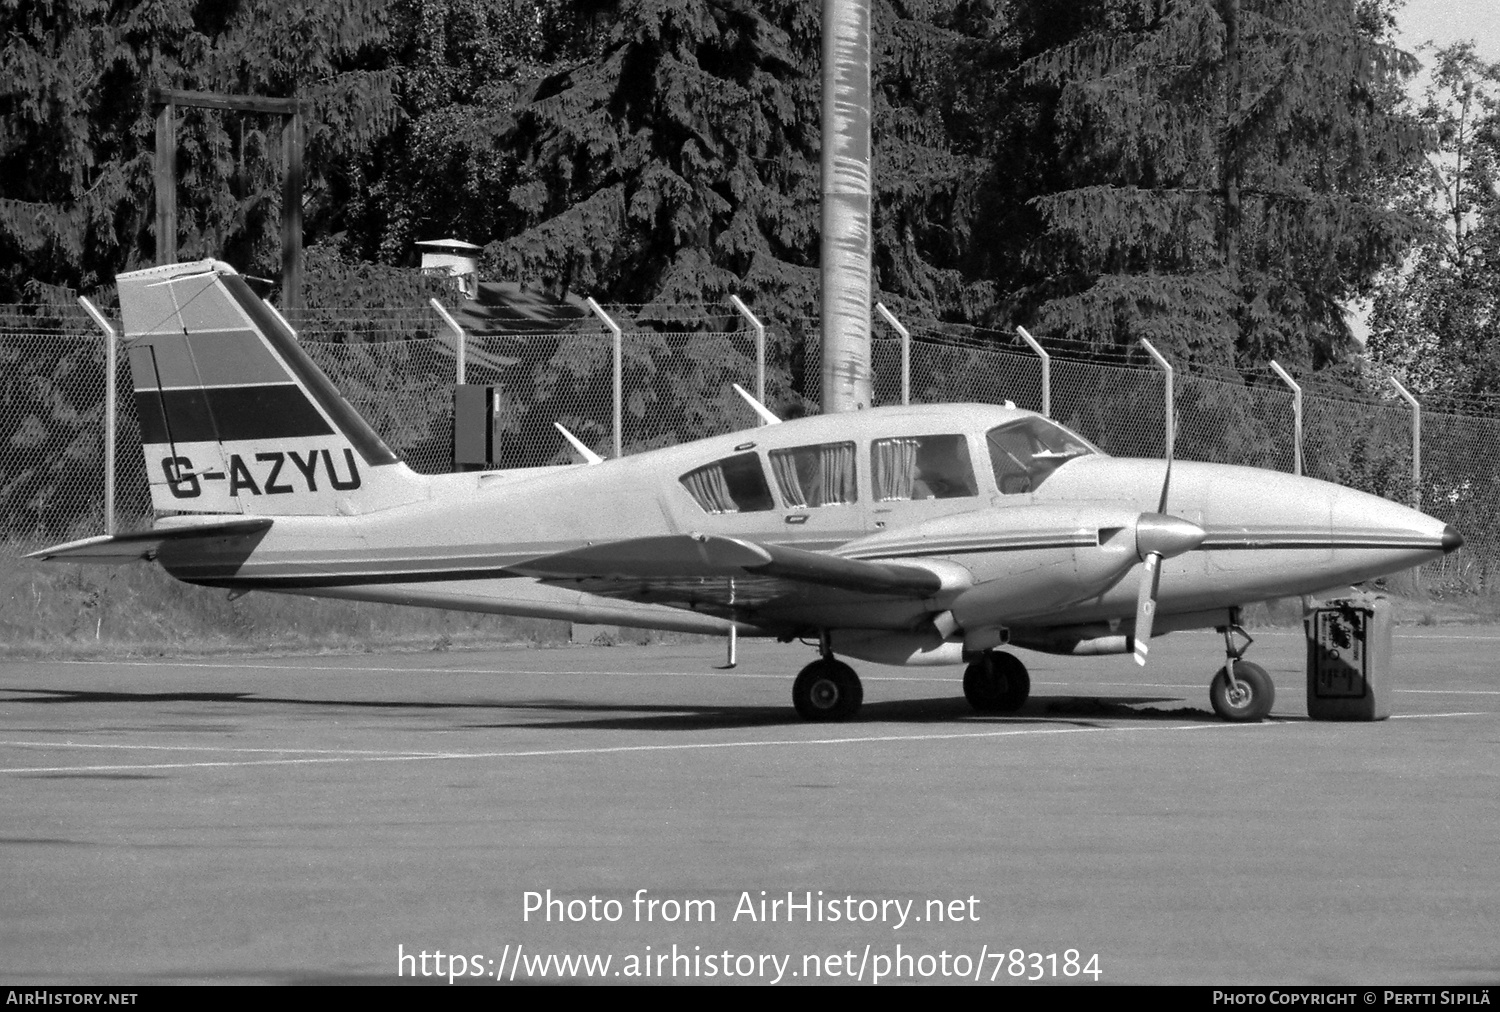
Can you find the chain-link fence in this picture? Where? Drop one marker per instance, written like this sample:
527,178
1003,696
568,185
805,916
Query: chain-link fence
52,424
676,367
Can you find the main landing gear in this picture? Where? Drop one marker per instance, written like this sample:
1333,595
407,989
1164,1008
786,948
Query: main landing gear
827,689
1241,691
996,683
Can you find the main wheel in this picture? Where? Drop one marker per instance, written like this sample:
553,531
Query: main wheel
997,683
827,690
1250,699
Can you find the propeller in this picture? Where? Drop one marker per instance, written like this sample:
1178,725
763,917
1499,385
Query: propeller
1158,536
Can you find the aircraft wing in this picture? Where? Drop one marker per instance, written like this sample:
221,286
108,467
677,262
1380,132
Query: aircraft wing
141,546
695,570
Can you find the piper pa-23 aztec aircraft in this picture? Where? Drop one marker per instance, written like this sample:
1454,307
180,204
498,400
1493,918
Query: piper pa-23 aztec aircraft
901,535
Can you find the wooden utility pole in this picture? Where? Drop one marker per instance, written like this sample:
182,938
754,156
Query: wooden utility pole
1229,156
292,137
166,184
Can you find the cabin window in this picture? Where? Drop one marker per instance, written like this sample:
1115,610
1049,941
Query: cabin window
922,467
1025,453
732,485
819,475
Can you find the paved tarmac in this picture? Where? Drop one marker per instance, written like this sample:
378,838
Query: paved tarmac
317,819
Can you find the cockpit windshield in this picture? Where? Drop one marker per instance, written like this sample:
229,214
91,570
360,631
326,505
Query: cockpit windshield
1024,453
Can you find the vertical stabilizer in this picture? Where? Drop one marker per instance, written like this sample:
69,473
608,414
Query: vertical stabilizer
235,418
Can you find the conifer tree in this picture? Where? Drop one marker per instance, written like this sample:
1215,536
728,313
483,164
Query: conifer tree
76,187
666,150
1221,174
678,163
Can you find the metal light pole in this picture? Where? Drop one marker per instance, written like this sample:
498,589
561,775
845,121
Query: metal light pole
848,381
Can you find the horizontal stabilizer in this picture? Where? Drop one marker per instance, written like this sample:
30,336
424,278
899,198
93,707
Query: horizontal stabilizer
704,556
140,546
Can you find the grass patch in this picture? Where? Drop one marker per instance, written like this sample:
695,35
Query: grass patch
60,609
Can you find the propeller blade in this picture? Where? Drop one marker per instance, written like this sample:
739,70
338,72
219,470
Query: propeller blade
1145,606
1164,533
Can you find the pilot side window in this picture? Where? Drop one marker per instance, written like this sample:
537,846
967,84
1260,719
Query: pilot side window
1025,453
922,467
732,485
819,475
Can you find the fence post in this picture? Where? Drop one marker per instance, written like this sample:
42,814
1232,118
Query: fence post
890,318
111,420
614,328
460,339
1166,368
760,347
1416,441
1046,369
1296,389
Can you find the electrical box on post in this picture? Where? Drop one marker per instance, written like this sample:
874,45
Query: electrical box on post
1349,673
476,441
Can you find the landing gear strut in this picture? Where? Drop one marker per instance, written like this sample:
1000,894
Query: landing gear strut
1241,691
997,683
827,689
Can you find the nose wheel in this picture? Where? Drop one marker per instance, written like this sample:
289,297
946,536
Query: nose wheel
1241,691
1248,698
996,683
827,689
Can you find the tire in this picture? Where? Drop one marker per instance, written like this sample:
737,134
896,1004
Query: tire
827,690
997,683
1256,696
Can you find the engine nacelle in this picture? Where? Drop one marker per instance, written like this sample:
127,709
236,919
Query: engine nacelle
1087,646
904,649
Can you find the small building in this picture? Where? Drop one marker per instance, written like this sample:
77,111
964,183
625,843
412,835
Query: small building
455,258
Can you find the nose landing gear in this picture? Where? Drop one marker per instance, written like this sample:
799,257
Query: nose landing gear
1241,691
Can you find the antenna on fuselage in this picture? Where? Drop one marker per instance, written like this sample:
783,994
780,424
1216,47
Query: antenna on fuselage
767,416
589,456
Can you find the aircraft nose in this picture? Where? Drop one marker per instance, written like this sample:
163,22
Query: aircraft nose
1452,540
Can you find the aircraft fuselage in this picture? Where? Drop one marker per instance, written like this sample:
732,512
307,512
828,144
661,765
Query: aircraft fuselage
1057,553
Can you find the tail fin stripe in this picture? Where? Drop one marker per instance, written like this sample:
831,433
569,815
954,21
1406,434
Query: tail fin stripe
226,414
